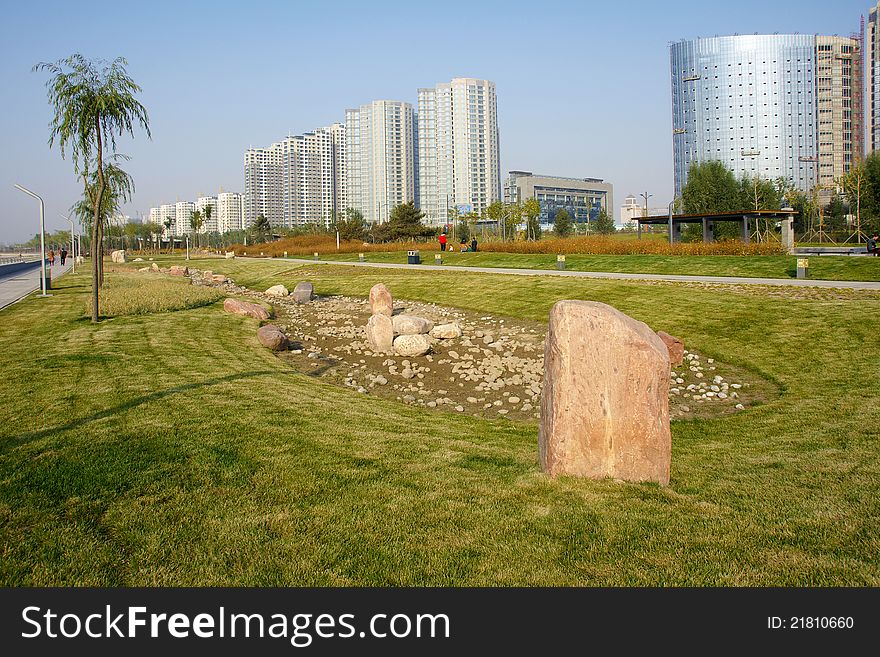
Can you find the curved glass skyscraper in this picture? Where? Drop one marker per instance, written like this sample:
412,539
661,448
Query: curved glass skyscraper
782,105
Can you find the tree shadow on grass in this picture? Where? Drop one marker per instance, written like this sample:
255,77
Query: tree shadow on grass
21,439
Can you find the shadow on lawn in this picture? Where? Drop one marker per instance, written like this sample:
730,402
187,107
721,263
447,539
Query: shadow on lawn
15,441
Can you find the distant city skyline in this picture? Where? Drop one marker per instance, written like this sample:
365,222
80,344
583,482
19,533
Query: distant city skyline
585,97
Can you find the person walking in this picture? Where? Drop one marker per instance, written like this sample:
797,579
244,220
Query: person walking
63,256
473,244
443,241
51,258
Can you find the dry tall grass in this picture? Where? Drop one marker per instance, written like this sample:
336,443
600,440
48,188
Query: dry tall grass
144,294
607,245
306,245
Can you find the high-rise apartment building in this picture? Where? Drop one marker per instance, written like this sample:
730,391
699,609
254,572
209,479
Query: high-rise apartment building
168,213
182,214
459,164
337,135
840,108
202,204
262,185
229,212
775,106
226,214
380,168
872,62
297,181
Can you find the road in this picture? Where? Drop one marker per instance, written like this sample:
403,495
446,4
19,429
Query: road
727,280
17,285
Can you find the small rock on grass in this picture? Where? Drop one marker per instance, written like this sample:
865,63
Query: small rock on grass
272,337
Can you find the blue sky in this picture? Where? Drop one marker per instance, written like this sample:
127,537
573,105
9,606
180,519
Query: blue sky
583,88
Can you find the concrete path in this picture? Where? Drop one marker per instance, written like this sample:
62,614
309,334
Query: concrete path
727,280
17,285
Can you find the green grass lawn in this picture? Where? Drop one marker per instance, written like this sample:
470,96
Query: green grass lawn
837,268
171,449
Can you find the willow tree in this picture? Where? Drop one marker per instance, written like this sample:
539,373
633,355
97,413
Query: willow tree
118,189
94,103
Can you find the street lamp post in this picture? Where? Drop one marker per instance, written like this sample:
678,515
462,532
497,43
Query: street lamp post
646,196
72,244
42,238
446,218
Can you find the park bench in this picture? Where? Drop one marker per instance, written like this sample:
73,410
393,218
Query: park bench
831,250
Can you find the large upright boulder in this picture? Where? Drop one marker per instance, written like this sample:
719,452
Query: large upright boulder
605,403
118,256
411,325
303,292
381,302
380,333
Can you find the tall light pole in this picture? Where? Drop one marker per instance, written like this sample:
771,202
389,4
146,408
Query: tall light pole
42,238
646,196
72,244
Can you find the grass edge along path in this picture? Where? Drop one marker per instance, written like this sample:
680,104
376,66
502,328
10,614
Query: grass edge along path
822,268
808,282
172,449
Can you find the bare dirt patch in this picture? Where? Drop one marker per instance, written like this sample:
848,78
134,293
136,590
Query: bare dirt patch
495,369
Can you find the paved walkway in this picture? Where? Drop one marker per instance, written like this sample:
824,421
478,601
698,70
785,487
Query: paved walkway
728,280
17,285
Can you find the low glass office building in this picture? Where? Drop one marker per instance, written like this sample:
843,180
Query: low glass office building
582,198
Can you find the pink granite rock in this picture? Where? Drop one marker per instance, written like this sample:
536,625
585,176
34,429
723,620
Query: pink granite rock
245,308
675,347
272,337
380,333
605,404
381,302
